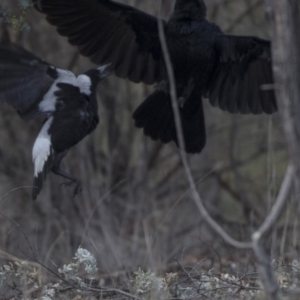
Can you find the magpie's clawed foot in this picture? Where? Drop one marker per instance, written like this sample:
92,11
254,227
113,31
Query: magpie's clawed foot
78,188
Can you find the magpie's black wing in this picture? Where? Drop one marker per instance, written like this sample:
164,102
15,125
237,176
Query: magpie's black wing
24,80
73,119
243,79
109,32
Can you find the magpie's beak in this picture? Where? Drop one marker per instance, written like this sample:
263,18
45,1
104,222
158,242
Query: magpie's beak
104,72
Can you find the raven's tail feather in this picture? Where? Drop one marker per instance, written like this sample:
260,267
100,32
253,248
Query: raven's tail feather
155,116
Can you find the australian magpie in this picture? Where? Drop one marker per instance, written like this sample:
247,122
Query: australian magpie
232,71
68,104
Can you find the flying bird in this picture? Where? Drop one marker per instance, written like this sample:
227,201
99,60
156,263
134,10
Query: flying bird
233,72
68,104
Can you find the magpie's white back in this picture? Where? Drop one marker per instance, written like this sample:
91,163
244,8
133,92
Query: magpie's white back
68,103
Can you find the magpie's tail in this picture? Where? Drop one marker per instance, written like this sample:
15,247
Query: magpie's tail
41,174
155,116
42,156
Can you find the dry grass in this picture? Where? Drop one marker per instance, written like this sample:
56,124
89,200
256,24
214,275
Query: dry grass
80,280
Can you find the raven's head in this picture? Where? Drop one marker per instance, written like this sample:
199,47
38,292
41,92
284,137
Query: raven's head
189,9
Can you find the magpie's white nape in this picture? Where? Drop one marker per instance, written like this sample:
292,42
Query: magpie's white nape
69,104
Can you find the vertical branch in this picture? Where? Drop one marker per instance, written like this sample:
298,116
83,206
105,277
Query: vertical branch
204,213
284,18
259,238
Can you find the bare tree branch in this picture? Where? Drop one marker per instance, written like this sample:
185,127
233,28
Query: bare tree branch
204,213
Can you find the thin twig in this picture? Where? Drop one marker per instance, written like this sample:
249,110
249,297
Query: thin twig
23,233
13,190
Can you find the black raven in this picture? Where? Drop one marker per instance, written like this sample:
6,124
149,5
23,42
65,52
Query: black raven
69,104
229,70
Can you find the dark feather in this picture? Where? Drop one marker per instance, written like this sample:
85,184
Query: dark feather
155,115
97,27
244,67
19,72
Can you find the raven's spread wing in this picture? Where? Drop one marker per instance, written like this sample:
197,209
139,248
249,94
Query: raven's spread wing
243,79
109,32
24,80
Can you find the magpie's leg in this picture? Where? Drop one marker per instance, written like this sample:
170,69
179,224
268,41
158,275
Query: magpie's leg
58,171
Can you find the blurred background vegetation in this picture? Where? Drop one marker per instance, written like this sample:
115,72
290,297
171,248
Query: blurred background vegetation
136,209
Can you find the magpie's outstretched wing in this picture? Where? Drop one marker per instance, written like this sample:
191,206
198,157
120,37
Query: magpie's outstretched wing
109,32
243,79
24,80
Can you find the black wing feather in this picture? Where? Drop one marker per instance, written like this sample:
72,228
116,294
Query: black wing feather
97,26
244,67
24,80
